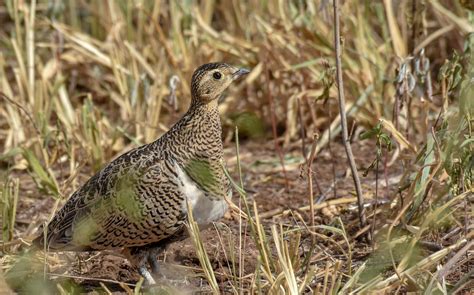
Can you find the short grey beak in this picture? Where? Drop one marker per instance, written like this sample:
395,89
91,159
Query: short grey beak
239,73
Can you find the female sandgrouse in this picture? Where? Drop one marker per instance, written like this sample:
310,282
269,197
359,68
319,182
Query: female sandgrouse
139,201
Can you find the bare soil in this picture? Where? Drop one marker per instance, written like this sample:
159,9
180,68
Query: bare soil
266,184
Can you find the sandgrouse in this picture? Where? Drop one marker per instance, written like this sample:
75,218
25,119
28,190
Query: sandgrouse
139,201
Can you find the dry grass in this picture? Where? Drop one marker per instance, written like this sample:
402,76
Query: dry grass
83,81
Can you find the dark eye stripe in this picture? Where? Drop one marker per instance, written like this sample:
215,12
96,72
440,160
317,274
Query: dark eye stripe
217,75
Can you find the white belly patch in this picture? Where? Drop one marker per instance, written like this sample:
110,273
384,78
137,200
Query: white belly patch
205,210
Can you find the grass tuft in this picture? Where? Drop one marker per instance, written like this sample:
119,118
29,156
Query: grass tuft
83,81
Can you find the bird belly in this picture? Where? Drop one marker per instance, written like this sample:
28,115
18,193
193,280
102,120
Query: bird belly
205,210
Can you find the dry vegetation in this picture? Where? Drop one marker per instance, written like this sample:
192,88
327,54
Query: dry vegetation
83,81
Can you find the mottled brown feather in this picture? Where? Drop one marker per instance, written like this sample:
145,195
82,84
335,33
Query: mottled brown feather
135,200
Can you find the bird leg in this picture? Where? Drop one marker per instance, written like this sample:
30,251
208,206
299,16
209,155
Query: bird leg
153,261
155,266
139,257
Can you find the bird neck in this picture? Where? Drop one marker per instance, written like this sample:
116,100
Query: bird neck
195,143
210,107
204,115
200,131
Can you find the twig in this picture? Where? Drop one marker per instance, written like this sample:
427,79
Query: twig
451,262
333,165
90,279
316,206
28,115
302,129
374,219
463,281
435,35
342,107
309,164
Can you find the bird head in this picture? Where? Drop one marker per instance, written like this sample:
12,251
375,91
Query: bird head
210,80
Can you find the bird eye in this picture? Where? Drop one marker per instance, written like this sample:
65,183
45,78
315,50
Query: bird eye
217,75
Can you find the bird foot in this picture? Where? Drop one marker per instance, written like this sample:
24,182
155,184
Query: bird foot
147,275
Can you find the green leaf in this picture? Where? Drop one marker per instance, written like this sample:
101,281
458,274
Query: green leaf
11,153
368,134
43,178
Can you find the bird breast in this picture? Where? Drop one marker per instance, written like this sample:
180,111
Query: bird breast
205,210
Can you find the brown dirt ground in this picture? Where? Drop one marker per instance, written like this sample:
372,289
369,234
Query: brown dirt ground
265,184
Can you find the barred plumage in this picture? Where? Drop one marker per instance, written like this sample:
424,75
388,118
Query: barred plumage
138,201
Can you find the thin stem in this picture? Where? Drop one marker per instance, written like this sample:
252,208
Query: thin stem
309,165
274,131
239,167
302,129
377,161
333,164
342,107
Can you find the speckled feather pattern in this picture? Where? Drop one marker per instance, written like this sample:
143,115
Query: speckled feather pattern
135,200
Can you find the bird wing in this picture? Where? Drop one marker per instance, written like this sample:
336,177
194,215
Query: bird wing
128,203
